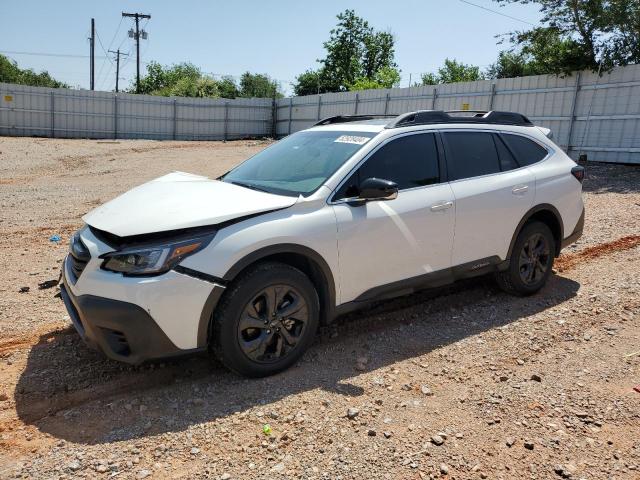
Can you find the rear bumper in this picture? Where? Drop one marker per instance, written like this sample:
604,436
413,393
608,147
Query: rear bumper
121,330
576,234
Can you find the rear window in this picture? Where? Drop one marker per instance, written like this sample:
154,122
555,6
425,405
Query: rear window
470,154
526,151
507,162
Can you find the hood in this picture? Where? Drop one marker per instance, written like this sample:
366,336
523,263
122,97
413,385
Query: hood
180,200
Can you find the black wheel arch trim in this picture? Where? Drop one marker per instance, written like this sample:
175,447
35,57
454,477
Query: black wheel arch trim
328,305
527,216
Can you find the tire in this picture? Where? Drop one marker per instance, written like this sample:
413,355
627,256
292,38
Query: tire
529,270
247,340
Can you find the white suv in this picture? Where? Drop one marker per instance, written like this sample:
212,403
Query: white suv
327,220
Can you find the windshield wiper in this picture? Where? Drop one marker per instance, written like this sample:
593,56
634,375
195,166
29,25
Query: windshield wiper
250,186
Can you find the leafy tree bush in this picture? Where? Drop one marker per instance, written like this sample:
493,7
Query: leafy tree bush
386,77
187,80
11,73
258,85
574,35
451,72
356,54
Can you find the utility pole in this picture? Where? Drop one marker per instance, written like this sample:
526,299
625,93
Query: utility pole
118,54
92,55
136,35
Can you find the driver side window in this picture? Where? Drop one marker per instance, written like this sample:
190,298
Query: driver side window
410,161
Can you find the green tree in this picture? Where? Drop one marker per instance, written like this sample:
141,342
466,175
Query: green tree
161,80
228,88
355,53
451,72
543,50
309,83
623,45
386,77
579,34
259,85
11,73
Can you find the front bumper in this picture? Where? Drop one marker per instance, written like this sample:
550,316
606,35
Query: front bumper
121,330
125,331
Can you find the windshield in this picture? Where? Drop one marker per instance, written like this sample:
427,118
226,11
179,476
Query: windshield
298,164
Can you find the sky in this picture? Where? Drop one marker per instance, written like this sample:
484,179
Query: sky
281,38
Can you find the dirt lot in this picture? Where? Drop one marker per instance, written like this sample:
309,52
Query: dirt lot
464,382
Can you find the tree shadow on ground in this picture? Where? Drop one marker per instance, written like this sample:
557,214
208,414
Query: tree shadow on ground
611,178
74,393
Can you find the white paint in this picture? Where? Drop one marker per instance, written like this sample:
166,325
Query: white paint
173,300
423,230
180,200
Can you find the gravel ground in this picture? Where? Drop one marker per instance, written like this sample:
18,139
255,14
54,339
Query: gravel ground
461,382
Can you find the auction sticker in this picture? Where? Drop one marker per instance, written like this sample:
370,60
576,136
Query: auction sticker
351,139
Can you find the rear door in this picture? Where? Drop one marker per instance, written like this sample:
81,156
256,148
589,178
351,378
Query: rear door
492,193
381,243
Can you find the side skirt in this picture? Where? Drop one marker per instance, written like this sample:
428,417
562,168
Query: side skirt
428,280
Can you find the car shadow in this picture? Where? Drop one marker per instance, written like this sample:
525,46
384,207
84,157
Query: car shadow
73,393
611,178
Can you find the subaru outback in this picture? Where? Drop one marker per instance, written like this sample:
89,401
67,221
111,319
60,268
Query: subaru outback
350,211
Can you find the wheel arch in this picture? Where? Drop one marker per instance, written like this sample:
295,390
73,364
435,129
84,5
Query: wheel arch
305,259
547,214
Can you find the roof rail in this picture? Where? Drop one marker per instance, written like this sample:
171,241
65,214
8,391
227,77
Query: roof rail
349,118
426,117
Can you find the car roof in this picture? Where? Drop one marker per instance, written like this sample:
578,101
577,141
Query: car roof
439,118
378,127
375,126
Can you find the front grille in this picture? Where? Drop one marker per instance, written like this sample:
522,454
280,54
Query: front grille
79,256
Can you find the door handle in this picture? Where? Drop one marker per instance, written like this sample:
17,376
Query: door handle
438,207
520,189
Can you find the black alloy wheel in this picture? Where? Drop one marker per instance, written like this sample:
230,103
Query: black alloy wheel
534,259
266,319
531,260
272,323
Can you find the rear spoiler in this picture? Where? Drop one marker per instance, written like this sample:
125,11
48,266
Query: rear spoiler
547,132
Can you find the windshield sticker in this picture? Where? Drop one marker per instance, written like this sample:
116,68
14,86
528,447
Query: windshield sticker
351,139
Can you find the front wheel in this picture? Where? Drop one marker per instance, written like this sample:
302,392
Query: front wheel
531,260
266,320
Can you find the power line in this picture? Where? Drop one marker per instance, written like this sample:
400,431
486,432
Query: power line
115,34
46,54
103,61
497,13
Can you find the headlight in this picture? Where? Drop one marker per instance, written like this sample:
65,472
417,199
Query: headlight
154,259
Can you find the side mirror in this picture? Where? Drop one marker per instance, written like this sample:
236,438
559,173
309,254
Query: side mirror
378,189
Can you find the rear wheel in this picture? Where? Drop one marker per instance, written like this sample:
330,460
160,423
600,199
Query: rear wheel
266,320
531,260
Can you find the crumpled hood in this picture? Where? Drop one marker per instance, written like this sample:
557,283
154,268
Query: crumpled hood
180,200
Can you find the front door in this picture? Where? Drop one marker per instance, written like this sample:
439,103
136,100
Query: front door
382,243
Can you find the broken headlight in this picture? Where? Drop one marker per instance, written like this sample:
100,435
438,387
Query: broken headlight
152,259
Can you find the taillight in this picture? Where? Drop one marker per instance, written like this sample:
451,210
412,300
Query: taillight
578,172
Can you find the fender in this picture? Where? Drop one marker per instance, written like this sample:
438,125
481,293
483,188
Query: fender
329,288
328,292
527,216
